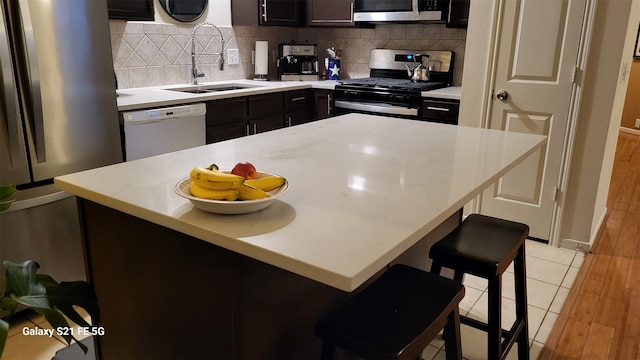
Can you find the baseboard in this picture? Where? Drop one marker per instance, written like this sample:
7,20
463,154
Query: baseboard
581,245
577,245
630,130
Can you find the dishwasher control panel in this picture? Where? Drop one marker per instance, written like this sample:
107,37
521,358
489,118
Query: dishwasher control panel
166,113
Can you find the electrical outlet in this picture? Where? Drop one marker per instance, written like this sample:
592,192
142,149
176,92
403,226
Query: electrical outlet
637,123
234,57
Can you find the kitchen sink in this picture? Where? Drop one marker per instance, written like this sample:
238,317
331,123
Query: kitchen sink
203,89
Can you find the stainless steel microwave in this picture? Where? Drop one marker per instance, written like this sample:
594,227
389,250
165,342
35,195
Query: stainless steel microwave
399,10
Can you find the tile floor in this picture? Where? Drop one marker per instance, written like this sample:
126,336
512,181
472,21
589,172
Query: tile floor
551,272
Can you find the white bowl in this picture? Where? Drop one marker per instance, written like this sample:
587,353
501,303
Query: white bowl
230,207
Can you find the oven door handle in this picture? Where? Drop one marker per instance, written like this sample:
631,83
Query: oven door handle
377,108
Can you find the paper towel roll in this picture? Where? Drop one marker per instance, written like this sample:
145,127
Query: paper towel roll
262,58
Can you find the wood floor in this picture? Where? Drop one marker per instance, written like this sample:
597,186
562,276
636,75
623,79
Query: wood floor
601,316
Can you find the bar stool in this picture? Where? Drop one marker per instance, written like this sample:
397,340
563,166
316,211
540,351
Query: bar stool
485,246
396,317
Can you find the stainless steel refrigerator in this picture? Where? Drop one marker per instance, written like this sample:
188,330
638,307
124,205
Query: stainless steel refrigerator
58,115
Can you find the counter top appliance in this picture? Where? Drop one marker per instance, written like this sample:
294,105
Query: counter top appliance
297,61
389,89
58,116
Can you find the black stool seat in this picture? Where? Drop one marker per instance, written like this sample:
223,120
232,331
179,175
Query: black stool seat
396,317
485,246
481,245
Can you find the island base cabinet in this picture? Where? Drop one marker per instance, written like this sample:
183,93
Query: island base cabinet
164,294
161,294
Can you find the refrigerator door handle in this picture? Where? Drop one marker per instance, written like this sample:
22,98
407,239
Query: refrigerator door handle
15,167
45,199
32,87
11,113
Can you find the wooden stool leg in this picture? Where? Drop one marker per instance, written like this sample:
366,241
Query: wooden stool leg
451,335
494,330
519,268
458,276
436,267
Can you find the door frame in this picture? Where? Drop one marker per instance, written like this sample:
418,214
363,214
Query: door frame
486,87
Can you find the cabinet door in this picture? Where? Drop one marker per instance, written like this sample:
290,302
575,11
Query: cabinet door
330,13
244,12
268,123
298,106
281,12
458,13
295,118
226,111
131,10
444,111
323,104
262,105
226,131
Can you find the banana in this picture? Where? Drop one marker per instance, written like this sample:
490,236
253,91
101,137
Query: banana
266,183
213,179
204,193
248,192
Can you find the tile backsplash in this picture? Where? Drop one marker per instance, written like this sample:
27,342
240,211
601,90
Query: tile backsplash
155,54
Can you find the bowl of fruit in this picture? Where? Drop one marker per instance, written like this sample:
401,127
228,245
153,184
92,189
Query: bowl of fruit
238,191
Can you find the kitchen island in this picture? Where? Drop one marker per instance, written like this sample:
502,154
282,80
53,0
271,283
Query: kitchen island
365,191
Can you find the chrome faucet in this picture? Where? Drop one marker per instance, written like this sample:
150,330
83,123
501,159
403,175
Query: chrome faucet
195,73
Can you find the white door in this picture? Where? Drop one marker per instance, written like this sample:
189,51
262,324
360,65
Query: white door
537,49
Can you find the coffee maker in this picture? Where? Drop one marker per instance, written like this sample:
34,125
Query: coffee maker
298,61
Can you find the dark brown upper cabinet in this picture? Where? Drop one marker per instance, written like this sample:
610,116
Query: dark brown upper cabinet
330,13
133,10
268,12
458,13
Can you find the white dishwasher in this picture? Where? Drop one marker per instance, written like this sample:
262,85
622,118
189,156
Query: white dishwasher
158,131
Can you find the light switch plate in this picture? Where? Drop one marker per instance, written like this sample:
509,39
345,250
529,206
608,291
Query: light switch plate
234,57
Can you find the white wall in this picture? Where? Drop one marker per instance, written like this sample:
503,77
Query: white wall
478,62
613,41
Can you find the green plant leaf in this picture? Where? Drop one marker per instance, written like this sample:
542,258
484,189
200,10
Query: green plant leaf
48,297
21,279
4,332
78,293
6,191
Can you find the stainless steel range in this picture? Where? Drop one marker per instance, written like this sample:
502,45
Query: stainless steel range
396,83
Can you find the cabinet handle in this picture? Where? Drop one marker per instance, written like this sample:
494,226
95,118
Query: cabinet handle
289,120
298,98
264,10
329,104
437,108
248,133
255,128
351,13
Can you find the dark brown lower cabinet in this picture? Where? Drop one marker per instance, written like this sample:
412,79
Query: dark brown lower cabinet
323,104
298,107
226,131
263,124
236,117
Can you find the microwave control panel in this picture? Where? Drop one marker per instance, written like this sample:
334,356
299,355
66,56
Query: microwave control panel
429,5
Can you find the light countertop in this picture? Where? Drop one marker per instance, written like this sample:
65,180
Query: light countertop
148,97
363,189
450,93
155,96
